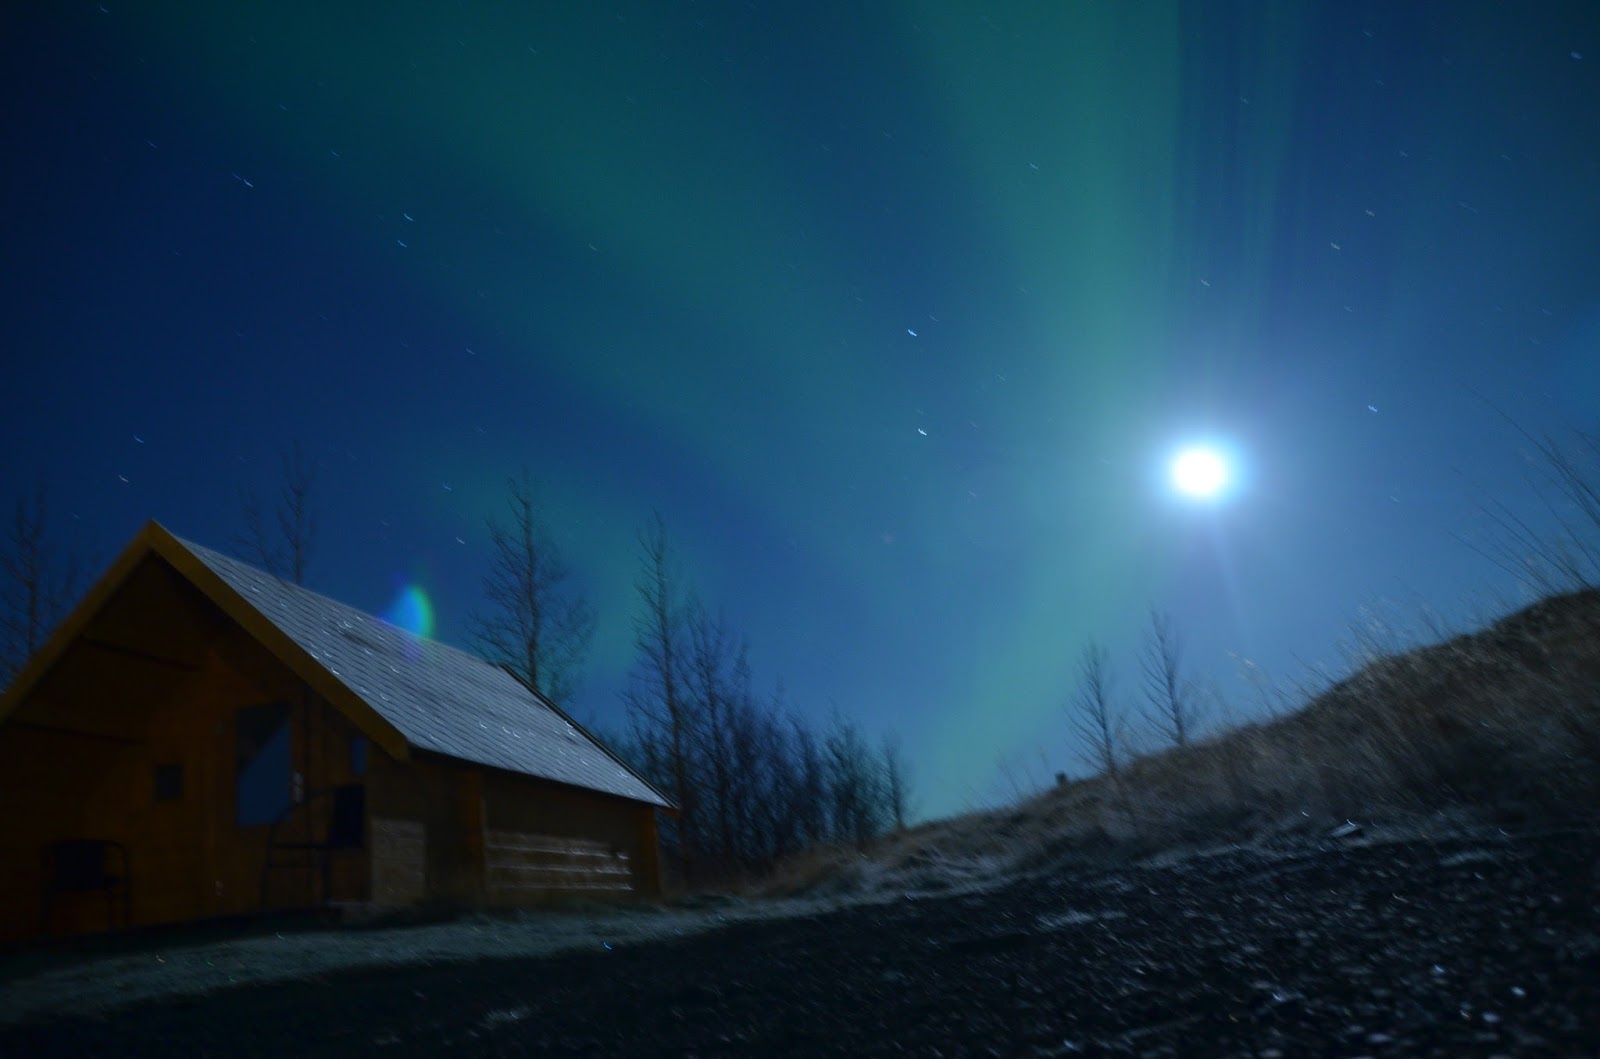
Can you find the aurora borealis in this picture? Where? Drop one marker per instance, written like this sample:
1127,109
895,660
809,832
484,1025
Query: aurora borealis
893,311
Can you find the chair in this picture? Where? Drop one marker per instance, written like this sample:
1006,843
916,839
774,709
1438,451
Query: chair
347,830
87,865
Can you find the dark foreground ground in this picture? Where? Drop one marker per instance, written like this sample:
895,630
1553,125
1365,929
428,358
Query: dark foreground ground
1475,945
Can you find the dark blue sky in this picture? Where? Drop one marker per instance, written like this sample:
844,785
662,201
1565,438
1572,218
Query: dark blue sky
895,313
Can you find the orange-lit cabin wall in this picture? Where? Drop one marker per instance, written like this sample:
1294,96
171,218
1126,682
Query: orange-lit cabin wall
157,680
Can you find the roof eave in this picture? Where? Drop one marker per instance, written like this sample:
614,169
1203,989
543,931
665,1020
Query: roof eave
666,805
45,658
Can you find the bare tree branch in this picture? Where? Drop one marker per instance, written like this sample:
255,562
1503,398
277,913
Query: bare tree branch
712,691
752,782
295,520
1098,723
658,704
37,587
854,783
896,781
539,626
255,543
1169,706
286,553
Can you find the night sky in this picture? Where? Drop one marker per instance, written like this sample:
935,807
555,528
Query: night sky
895,312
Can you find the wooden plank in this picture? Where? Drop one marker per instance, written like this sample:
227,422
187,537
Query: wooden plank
550,884
399,856
498,842
558,862
574,860
546,851
535,869
522,866
584,869
518,894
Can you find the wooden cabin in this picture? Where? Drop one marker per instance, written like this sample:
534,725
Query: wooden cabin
201,739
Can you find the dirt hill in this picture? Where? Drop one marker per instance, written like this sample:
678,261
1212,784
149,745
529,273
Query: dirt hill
1502,725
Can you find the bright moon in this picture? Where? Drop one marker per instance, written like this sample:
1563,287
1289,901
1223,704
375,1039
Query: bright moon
1199,472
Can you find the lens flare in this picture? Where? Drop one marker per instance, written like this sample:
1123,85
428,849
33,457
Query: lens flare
412,611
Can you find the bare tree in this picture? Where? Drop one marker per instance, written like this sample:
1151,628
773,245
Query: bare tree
39,585
809,795
540,627
896,782
712,690
286,553
659,708
752,782
741,769
1096,720
749,767
1170,708
778,801
855,797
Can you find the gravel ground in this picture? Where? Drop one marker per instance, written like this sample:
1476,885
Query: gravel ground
98,984
1475,944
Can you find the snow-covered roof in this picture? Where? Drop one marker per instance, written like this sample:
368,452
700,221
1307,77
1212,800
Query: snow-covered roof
405,691
438,697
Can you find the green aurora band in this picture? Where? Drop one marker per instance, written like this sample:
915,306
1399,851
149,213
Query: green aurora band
1068,162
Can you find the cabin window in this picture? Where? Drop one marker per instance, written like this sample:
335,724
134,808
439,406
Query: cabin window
169,783
358,755
263,775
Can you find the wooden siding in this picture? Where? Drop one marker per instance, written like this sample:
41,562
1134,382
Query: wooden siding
524,868
428,792
399,862
518,805
80,758
39,803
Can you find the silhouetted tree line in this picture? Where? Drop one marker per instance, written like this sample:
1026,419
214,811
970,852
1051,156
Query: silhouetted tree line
753,782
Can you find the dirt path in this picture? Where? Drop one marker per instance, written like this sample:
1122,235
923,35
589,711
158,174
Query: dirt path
1483,945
